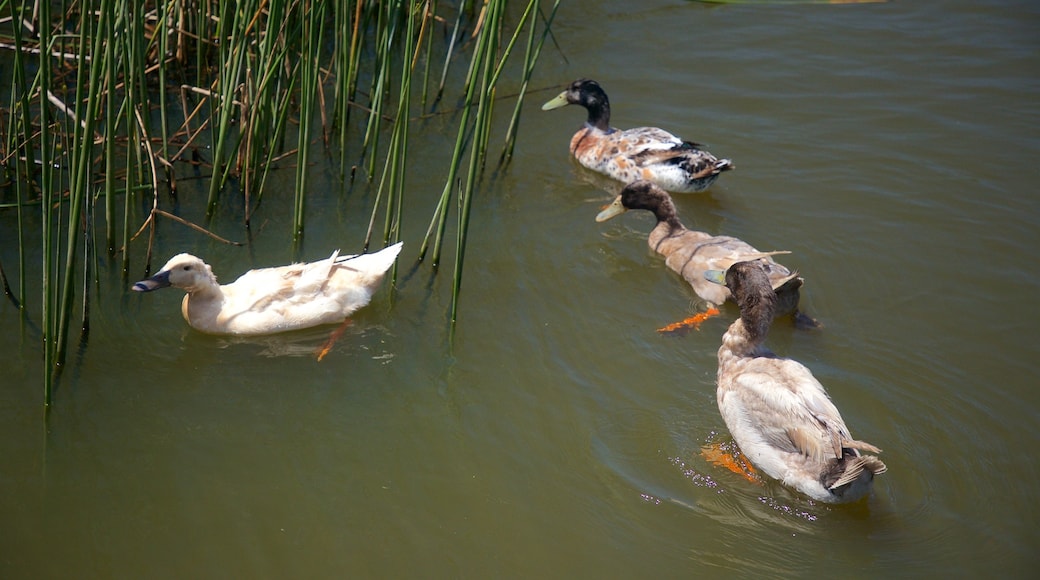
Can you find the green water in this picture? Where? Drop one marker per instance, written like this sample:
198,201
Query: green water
891,147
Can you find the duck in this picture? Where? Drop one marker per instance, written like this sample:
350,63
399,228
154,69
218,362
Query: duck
691,253
776,410
642,153
272,300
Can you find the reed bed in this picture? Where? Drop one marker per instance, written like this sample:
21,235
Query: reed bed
111,102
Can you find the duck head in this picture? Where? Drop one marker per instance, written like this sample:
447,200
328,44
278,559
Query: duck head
640,194
752,291
182,271
588,94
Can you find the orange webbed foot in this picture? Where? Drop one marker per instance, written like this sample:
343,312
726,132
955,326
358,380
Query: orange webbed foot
333,337
690,322
733,460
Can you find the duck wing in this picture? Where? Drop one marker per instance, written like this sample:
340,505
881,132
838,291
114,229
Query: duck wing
696,163
339,284
787,407
268,298
694,253
283,298
313,278
291,282
643,143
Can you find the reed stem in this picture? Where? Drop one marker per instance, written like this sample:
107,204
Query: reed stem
484,52
83,131
43,81
312,35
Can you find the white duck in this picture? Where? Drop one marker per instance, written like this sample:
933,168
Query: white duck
776,410
273,300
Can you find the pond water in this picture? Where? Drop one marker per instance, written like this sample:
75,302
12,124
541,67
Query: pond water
892,148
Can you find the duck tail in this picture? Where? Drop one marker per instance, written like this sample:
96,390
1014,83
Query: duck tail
724,165
376,262
859,445
854,468
789,284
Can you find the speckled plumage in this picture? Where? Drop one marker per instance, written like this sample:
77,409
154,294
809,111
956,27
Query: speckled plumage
776,410
642,153
691,253
271,300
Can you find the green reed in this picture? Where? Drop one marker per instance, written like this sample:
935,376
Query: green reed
47,194
531,54
234,25
392,179
111,124
267,100
127,97
83,122
346,63
19,145
312,33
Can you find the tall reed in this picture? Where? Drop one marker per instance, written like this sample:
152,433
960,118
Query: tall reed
48,287
19,149
312,33
230,79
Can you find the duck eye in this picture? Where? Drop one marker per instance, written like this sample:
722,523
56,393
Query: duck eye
187,268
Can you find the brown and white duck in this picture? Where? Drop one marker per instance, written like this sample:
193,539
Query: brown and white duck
691,253
778,413
642,153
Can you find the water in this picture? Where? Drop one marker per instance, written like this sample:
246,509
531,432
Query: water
892,148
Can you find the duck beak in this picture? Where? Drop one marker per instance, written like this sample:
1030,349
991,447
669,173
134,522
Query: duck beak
559,101
160,280
611,211
716,276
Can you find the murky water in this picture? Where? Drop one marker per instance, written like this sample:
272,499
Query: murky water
892,148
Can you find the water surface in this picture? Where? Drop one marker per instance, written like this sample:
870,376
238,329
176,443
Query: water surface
891,147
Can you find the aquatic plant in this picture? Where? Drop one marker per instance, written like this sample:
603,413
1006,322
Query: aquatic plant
230,80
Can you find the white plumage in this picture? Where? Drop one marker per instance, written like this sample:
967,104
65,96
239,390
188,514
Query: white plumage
271,300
